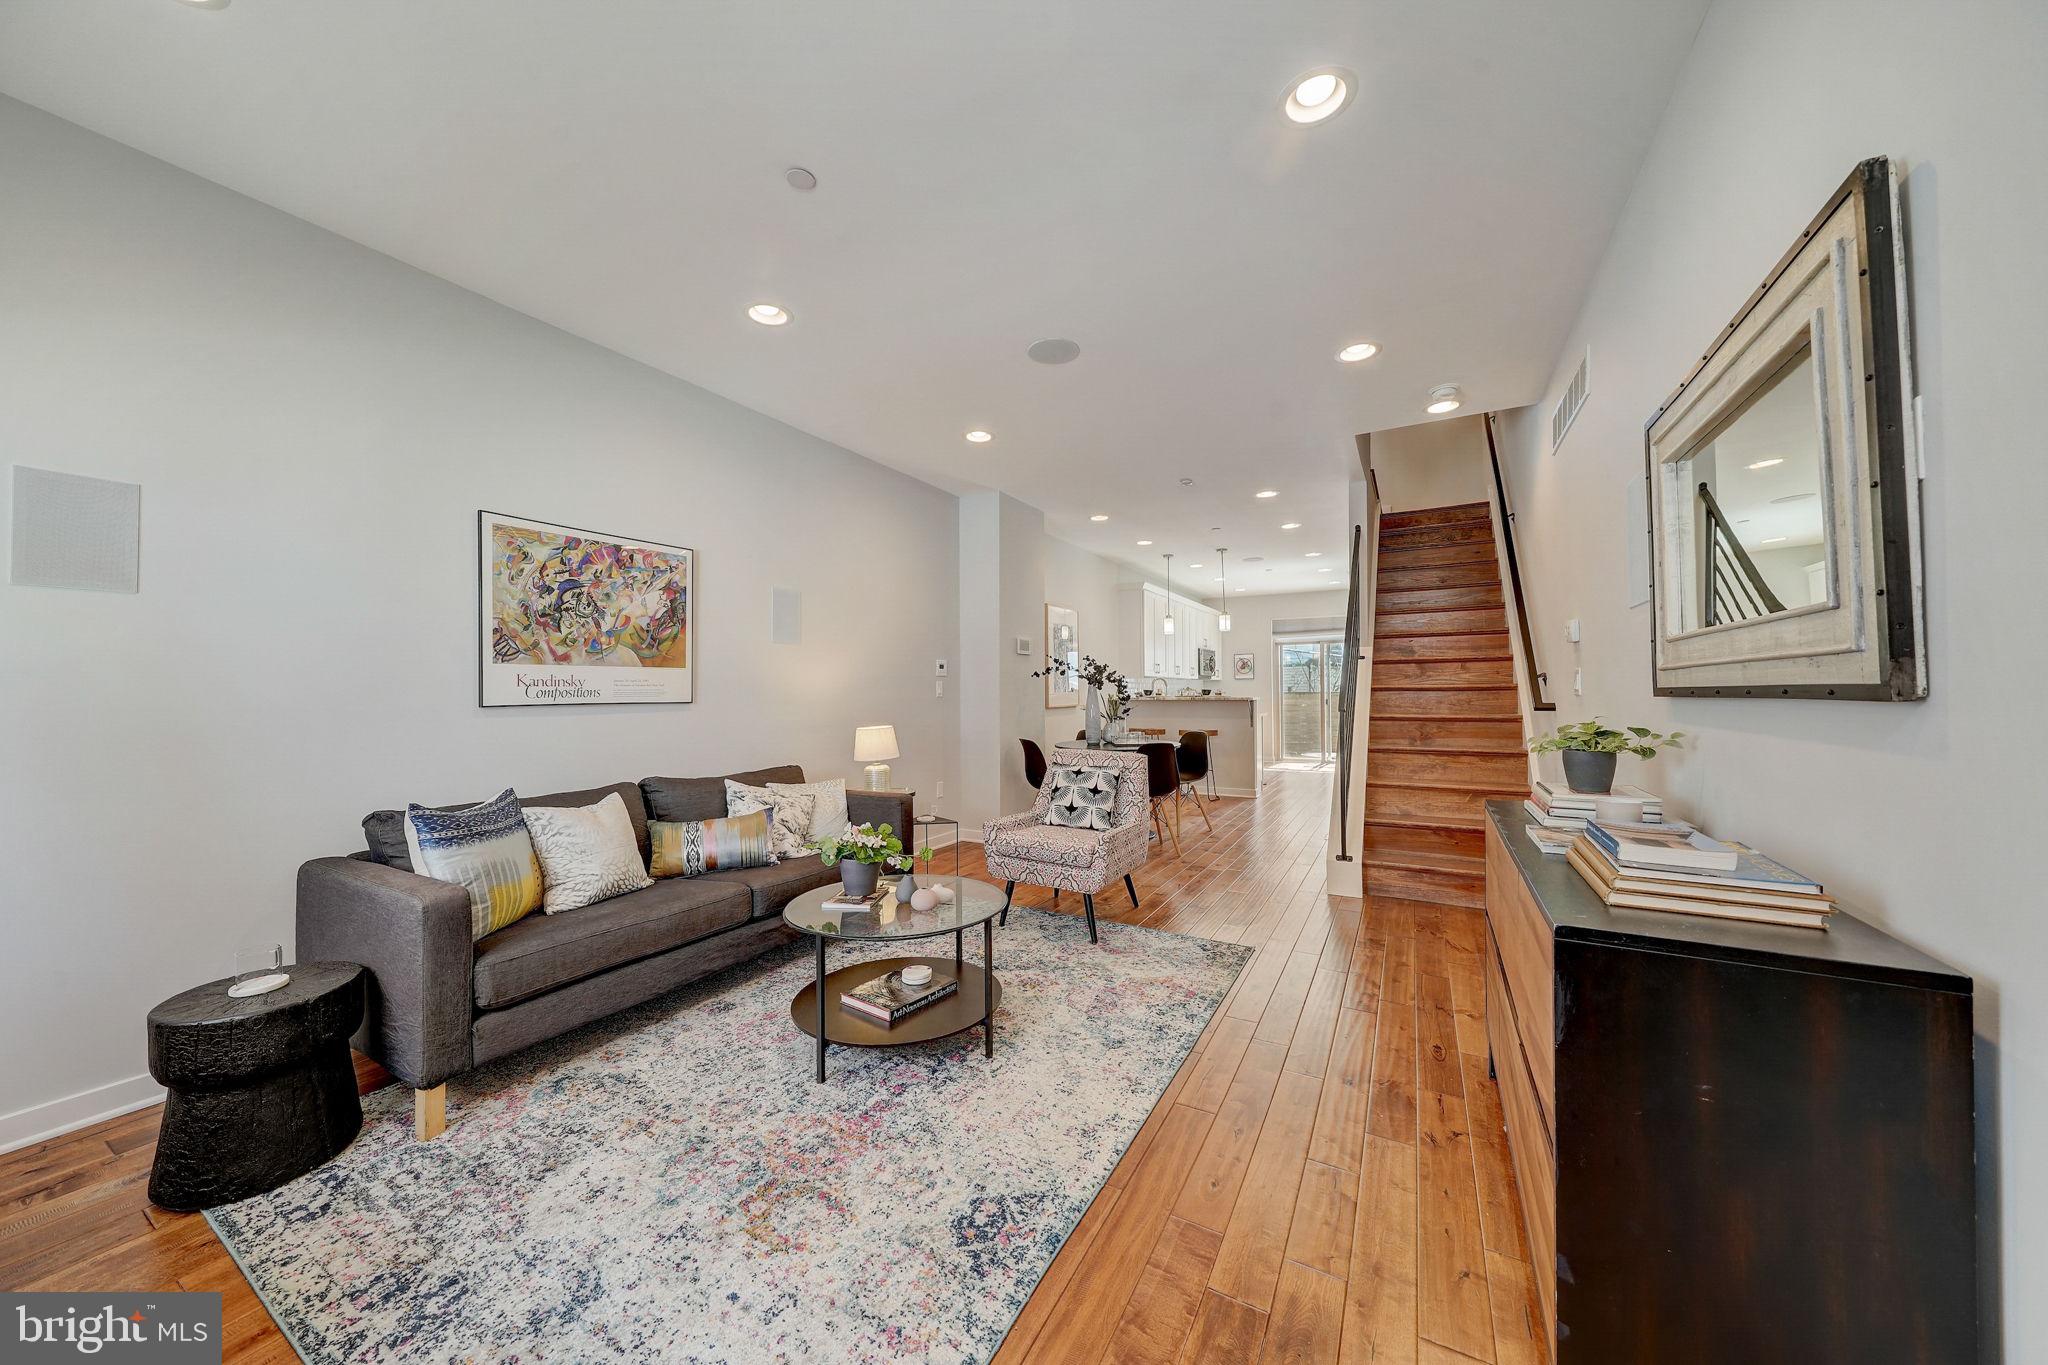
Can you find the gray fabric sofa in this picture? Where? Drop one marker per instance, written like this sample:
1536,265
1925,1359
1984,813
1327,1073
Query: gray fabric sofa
440,1004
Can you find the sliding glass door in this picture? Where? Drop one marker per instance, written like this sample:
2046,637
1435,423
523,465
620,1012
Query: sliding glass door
1311,674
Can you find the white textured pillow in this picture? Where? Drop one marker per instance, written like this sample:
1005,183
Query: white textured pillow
587,853
829,820
792,814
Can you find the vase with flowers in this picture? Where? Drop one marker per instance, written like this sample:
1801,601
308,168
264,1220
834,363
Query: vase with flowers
862,851
1109,692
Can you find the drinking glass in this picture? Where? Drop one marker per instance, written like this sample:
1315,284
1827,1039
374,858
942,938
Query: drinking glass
258,968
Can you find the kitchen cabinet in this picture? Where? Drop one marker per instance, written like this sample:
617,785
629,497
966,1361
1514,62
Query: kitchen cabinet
1155,654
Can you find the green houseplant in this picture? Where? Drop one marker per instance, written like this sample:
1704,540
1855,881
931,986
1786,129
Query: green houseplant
1591,750
862,851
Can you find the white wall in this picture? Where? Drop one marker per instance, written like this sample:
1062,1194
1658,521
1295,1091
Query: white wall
1087,582
1438,463
1923,815
1251,631
314,427
1002,572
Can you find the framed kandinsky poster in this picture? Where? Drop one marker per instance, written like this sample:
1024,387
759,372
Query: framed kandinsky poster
569,617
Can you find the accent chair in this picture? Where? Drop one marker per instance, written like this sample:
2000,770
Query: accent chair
1026,848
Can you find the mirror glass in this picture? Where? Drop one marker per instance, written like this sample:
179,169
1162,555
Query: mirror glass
1755,538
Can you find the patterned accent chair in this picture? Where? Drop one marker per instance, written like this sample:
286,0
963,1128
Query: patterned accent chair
1025,848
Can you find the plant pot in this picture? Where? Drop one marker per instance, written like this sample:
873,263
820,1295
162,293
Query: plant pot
1591,774
856,878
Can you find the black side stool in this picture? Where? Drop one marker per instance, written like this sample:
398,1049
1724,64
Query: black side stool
262,1089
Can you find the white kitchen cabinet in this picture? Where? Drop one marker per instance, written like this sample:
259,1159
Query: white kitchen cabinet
1154,653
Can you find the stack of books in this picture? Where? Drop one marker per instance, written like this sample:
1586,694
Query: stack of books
1684,872
1559,807
887,999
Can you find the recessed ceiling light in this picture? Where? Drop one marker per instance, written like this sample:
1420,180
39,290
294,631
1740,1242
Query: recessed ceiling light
1198,566
979,437
768,315
1774,540
1290,526
1793,497
1324,568
1219,578
207,4
1320,94
1144,542
1240,590
1766,464
1357,351
1253,559
1444,398
1315,554
1268,493
1053,351
800,179
1100,516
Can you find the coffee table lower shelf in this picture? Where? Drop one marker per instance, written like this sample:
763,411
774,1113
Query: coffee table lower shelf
957,1013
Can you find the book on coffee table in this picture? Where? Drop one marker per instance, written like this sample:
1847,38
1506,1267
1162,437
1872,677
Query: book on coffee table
842,901
887,999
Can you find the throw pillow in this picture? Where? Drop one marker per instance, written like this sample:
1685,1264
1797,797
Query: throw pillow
485,850
690,848
829,820
791,814
1081,797
587,853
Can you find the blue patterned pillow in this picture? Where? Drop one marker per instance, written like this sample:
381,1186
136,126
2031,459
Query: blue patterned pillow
1081,798
483,849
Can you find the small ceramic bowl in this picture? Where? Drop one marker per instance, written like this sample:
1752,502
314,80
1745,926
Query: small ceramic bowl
917,976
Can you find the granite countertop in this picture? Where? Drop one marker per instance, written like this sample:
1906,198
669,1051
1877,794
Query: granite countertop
1137,697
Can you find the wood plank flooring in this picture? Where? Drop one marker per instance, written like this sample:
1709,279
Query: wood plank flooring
1326,1180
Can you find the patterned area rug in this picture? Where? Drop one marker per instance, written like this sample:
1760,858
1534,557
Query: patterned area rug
671,1185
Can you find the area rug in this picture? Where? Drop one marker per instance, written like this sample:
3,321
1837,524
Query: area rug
671,1185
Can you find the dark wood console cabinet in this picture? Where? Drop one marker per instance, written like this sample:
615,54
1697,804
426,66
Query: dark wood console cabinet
1733,1142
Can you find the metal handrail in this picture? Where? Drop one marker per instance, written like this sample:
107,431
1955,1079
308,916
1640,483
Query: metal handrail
1537,678
1732,588
1347,706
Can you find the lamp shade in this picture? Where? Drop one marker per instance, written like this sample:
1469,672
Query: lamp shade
875,744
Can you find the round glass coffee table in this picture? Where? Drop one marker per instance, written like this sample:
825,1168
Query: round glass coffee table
816,1008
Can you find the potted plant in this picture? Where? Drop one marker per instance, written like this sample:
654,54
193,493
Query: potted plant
1591,749
1109,691
862,852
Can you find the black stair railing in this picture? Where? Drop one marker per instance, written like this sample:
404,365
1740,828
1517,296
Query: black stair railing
1347,702
1536,678
1732,588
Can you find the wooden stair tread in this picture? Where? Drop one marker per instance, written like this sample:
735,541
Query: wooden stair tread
1472,824
1423,685
1426,860
1425,516
1464,750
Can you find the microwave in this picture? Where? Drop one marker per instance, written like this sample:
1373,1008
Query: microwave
1205,663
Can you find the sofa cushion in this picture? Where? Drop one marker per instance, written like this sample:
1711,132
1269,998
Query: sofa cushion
1060,845
775,885
384,830
542,952
703,798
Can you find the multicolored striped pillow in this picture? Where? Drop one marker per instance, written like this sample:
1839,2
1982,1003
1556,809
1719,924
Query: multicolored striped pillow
690,848
483,849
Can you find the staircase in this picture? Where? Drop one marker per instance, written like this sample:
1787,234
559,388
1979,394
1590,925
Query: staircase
1443,730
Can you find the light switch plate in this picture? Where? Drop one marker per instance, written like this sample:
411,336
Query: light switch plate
1023,645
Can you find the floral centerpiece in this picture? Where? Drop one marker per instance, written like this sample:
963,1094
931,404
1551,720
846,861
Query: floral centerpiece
862,851
1109,692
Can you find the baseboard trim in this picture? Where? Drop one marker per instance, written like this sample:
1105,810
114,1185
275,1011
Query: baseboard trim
55,1118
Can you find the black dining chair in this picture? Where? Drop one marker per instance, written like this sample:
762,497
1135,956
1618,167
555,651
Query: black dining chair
1162,774
1034,763
1192,759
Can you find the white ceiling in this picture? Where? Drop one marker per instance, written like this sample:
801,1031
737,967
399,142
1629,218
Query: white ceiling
1779,505
1114,171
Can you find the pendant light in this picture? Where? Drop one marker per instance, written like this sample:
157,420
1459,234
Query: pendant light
1167,628
1223,577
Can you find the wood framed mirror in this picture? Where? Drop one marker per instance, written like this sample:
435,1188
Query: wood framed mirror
1784,479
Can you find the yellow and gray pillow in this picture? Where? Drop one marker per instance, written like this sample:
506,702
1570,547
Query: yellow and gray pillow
485,850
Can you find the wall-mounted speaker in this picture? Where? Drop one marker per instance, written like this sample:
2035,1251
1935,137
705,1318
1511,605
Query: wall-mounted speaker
71,531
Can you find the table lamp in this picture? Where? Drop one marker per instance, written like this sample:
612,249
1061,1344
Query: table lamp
875,745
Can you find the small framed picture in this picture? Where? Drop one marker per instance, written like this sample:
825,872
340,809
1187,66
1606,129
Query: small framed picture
1241,667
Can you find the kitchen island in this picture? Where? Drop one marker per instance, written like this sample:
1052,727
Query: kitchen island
1236,748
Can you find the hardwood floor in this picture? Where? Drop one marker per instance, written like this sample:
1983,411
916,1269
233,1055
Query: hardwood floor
1326,1179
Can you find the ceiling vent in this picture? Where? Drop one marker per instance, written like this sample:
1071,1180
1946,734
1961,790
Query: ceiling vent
1567,410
